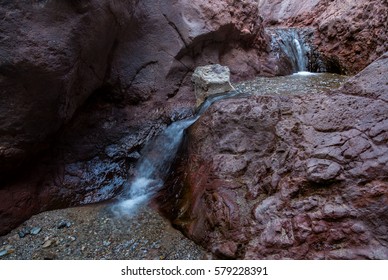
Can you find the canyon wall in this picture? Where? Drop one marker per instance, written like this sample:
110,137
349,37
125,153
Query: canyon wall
84,84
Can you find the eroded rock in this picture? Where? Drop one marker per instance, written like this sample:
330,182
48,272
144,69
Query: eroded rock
296,176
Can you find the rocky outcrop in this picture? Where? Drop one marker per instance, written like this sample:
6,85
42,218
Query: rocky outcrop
349,35
84,84
289,176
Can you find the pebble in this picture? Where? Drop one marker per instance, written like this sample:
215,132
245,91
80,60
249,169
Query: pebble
63,224
24,232
35,230
3,253
6,251
48,243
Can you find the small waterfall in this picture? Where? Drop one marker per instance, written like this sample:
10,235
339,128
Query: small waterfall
153,166
288,42
156,160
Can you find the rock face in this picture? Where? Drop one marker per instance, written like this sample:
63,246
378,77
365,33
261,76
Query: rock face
300,177
348,34
209,80
89,82
53,55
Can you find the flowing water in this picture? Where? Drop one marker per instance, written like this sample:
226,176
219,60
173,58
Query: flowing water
298,83
156,160
288,42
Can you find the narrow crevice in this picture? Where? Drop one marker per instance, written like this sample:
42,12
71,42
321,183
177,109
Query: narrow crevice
173,25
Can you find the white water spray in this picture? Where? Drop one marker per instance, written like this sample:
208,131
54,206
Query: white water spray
290,43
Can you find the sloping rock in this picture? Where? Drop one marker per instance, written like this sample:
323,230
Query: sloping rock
348,34
131,61
289,176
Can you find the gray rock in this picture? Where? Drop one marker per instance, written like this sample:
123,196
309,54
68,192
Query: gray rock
35,230
63,224
209,80
24,232
3,253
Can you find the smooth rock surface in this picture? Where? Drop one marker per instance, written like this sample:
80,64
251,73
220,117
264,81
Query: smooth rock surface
288,176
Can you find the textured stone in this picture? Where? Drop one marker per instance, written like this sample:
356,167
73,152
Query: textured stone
209,80
314,184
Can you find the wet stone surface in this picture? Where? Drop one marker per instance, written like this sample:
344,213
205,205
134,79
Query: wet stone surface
298,83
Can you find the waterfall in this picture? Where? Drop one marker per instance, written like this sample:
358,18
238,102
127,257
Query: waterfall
156,160
288,42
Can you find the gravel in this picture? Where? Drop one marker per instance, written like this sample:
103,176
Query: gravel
95,232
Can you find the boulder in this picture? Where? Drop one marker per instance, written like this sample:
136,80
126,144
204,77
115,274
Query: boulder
288,176
210,80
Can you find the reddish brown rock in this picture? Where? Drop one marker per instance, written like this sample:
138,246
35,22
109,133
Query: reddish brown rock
131,61
349,34
300,177
53,55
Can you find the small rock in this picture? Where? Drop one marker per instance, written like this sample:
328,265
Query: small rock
3,253
72,238
48,243
35,230
24,232
9,249
63,224
106,243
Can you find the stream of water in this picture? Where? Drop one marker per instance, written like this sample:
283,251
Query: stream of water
289,42
157,156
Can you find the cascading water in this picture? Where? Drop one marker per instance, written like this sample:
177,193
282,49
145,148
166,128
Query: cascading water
156,160
287,41
153,166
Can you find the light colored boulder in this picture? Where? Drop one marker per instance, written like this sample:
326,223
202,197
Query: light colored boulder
209,80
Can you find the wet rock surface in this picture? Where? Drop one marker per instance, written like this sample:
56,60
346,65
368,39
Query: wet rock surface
349,35
94,232
288,176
